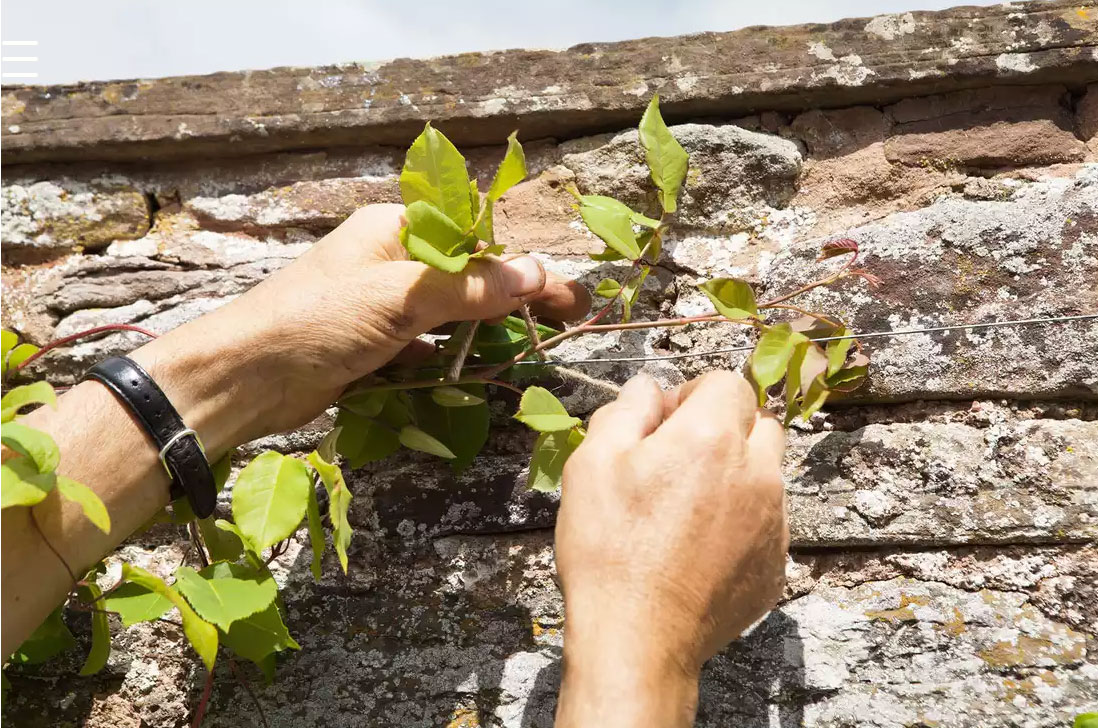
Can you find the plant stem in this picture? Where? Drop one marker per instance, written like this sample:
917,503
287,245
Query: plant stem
200,711
80,335
531,329
196,537
632,272
463,351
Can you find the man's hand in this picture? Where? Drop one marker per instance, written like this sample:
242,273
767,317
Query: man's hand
670,541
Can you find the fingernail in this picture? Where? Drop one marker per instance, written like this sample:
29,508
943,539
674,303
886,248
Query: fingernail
523,276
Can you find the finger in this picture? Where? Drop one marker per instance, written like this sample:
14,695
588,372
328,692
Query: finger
766,443
634,415
416,352
486,289
561,300
719,407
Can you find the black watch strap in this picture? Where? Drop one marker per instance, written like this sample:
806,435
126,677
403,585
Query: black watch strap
181,451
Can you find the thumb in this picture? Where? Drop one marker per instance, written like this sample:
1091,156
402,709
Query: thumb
486,289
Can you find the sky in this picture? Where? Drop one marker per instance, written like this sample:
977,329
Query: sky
122,39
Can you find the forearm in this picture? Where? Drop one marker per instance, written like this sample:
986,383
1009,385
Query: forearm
204,369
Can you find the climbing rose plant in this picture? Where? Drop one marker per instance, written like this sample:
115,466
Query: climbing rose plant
441,409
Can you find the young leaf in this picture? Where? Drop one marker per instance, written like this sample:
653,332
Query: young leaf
608,288
434,172
837,350
339,502
608,255
541,411
22,484
33,444
612,224
551,451
1086,720
425,252
316,534
630,291
666,158
101,629
201,634
363,440
8,340
449,396
259,636
490,250
269,498
365,404
245,543
414,438
50,639
223,592
221,544
732,297
842,246
512,169
851,376
136,603
222,469
432,237
814,397
462,430
20,354
27,394
86,498
650,244
772,355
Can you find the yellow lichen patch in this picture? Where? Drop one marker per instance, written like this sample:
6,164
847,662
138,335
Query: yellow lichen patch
464,718
1028,650
955,625
902,613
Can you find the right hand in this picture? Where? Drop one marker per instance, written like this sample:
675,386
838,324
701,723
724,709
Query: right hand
671,536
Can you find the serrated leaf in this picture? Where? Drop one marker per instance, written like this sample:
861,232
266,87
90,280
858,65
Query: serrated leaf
434,172
666,158
607,255
201,634
837,351
424,252
316,534
34,444
541,411
433,238
50,639
842,246
27,394
135,603
231,528
612,223
89,502
222,545
630,291
223,592
259,636
451,396
362,440
772,355
463,430
339,503
414,438
551,452
608,288
732,297
100,629
20,354
269,498
22,484
511,171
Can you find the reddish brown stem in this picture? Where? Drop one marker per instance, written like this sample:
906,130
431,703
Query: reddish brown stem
200,711
80,335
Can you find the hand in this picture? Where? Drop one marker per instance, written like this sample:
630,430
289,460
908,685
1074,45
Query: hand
670,541
349,305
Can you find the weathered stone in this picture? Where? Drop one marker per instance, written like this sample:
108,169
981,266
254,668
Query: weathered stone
993,127
51,218
1086,111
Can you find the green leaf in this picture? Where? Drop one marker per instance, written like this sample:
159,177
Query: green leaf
541,411
269,498
434,172
316,534
339,503
551,451
222,469
772,355
363,440
490,250
424,252
612,223
201,634
666,158
136,603
814,397
430,236
365,404
851,376
50,639
86,498
20,354
414,438
223,592
1086,720
259,636
246,544
630,292
650,244
22,484
837,350
32,443
223,545
450,396
732,297
16,399
8,340
462,430
512,169
101,629
608,288
607,255
498,343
